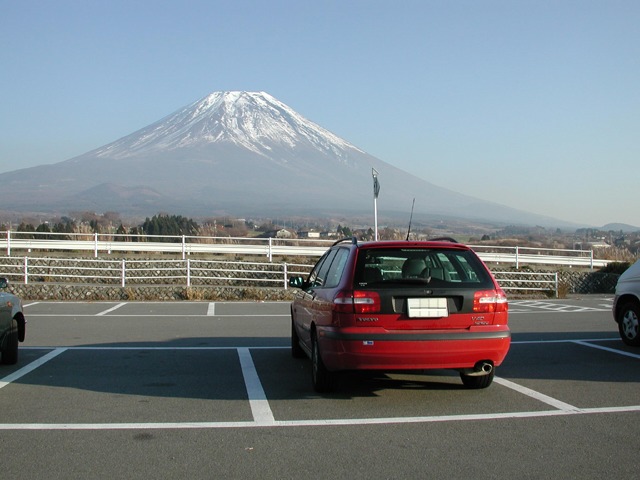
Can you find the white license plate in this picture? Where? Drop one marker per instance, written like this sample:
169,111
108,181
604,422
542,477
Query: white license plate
427,307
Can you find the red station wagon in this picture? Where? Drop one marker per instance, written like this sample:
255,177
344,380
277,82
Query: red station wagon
397,305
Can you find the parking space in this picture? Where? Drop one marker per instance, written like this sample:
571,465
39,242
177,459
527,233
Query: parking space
228,364
131,386
159,309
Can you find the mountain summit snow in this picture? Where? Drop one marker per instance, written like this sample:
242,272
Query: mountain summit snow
252,120
237,153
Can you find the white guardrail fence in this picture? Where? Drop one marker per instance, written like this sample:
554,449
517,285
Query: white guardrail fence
197,272
189,272
267,247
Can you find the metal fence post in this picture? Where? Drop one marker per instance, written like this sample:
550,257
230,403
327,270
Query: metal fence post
184,247
270,253
285,275
556,275
8,243
188,272
124,270
26,270
517,259
95,245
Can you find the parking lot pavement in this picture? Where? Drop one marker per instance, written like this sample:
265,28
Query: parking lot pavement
197,389
597,304
181,365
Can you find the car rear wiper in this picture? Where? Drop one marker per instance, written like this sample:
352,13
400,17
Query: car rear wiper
411,281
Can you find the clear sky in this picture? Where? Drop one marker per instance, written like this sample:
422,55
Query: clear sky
534,104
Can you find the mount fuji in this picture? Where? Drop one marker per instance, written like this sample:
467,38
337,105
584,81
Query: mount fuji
241,153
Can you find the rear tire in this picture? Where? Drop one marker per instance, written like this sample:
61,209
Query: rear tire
322,378
629,323
476,382
22,327
10,352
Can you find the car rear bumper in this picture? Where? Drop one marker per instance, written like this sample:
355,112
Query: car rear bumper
354,349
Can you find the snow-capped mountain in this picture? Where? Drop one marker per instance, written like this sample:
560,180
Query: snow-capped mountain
254,121
241,153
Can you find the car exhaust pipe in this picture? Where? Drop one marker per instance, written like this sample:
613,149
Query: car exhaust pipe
483,367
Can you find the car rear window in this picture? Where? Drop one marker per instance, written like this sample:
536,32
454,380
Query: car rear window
387,267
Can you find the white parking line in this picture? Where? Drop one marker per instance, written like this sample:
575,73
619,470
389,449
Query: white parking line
153,348
541,397
104,312
313,423
211,309
575,340
585,343
29,368
262,414
189,315
533,306
455,418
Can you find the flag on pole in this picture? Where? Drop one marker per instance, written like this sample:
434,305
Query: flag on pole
376,184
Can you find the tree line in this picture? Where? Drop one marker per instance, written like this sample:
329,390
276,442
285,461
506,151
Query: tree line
158,225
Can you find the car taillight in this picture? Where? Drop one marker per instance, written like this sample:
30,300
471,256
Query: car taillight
490,301
357,301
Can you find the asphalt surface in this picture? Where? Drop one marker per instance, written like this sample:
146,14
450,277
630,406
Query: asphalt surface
202,390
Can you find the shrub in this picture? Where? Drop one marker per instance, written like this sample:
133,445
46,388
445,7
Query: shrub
615,267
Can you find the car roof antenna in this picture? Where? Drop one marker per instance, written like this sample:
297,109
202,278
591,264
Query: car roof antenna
411,218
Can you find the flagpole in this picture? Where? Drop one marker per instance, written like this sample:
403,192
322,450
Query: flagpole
376,190
375,217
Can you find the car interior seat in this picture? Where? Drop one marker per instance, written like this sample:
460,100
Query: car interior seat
413,267
437,273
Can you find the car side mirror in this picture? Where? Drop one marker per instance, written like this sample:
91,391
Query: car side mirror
296,282
4,283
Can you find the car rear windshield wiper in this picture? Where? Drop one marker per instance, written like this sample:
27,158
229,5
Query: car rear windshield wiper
401,281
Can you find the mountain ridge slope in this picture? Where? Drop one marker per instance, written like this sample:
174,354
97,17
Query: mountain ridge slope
245,153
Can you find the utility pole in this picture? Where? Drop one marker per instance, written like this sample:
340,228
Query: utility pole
376,191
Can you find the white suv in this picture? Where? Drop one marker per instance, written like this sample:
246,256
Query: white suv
626,305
